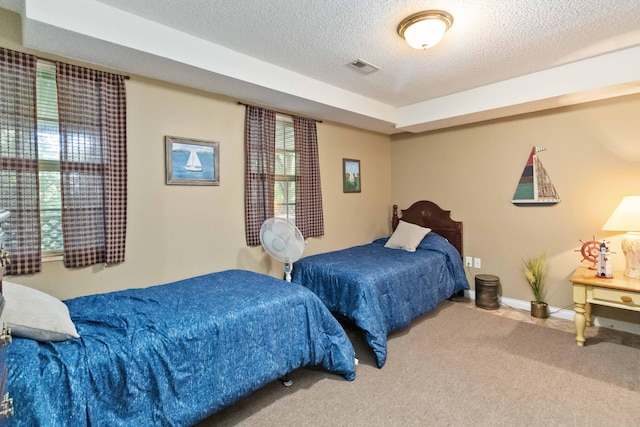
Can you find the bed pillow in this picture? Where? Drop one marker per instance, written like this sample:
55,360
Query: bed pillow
35,315
407,236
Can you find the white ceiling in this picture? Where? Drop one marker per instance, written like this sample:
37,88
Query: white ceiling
500,57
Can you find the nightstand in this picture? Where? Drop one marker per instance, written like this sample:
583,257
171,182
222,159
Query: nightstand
619,292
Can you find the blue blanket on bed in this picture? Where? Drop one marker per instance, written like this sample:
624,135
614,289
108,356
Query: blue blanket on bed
383,289
173,354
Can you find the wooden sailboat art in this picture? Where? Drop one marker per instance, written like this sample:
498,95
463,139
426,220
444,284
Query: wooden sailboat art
535,187
193,164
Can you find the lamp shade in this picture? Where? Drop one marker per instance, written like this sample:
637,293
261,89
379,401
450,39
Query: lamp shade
626,217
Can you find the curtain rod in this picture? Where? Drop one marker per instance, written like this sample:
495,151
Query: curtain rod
53,61
279,112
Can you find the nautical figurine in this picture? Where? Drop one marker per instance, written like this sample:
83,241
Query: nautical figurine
604,262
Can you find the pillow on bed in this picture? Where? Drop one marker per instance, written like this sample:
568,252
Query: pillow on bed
35,315
407,236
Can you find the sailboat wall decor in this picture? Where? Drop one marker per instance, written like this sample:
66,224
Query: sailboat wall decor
535,187
193,164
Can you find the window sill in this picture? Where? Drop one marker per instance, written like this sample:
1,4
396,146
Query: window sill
51,258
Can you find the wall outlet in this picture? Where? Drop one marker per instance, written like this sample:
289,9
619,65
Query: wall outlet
468,262
477,263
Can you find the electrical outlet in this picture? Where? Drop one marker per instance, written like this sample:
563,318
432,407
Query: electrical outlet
477,263
468,262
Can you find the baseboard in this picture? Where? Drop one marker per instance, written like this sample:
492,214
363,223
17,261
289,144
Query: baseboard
563,313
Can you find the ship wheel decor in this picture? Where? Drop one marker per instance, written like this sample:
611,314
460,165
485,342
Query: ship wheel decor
590,251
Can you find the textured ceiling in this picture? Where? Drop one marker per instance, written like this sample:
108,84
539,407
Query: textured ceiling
490,41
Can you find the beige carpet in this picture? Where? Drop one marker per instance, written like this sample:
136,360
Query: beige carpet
460,366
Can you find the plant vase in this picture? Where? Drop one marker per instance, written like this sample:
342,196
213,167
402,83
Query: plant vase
539,309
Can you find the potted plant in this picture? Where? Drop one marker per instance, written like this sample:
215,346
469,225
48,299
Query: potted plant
535,271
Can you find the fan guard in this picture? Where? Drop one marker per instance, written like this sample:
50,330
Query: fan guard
283,241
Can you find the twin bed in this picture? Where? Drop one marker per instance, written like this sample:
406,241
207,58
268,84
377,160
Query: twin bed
174,354
382,289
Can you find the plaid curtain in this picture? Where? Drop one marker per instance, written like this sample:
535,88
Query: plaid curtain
19,156
93,165
260,148
309,217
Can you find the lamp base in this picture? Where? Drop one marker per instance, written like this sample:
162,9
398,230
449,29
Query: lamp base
631,249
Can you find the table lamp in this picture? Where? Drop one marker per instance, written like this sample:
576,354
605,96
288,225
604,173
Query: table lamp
626,217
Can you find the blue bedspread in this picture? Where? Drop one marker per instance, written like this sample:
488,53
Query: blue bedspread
383,289
173,354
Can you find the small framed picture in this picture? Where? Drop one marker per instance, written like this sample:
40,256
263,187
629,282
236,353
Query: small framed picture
351,176
192,161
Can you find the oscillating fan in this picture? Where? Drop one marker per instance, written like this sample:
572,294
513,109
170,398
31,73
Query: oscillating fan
283,241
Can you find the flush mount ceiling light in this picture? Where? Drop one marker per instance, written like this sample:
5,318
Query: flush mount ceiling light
425,29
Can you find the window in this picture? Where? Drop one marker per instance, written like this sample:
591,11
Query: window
282,173
50,119
285,170
49,159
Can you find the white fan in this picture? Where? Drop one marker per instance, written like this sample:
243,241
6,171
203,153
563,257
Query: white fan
283,241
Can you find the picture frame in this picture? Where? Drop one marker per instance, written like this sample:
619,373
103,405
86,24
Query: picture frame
192,161
351,178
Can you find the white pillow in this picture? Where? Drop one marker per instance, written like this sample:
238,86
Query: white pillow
35,315
407,236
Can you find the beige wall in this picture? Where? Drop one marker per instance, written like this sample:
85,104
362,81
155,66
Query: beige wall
592,157
174,232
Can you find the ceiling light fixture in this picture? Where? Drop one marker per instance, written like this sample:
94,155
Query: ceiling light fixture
425,29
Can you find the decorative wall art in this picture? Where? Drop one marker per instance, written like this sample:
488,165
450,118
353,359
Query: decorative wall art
192,161
535,187
351,176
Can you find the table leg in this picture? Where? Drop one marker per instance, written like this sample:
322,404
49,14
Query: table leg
587,313
580,321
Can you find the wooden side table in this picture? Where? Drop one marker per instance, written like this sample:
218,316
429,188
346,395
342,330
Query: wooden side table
619,292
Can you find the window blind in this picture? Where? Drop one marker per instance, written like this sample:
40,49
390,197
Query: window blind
285,180
49,159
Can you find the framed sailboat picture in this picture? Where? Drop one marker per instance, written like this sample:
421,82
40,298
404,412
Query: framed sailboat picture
192,161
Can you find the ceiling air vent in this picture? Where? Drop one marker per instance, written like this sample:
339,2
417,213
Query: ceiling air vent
363,66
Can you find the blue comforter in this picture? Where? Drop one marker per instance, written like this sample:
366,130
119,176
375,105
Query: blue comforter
173,354
383,289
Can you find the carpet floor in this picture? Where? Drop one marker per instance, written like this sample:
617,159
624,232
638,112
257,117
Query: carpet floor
460,366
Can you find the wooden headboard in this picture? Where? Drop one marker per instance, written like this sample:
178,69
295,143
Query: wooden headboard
427,214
